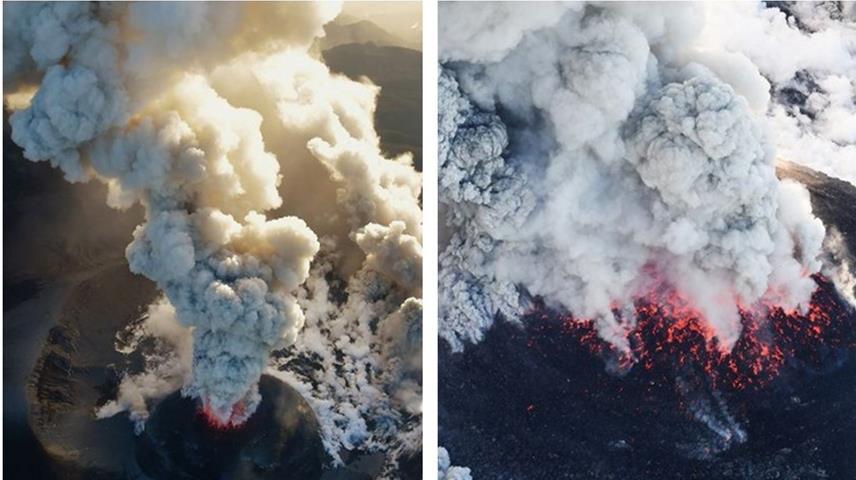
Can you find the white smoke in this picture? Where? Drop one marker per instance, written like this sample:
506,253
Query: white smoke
367,391
487,34
446,471
710,409
838,266
809,56
604,150
167,366
247,153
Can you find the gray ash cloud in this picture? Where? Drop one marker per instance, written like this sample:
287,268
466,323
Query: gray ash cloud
598,145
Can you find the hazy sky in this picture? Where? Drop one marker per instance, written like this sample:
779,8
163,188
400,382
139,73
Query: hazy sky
403,19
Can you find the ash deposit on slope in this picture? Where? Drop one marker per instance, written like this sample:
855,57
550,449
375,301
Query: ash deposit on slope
610,171
228,236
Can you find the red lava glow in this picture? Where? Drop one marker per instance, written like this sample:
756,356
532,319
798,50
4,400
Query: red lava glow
235,421
671,334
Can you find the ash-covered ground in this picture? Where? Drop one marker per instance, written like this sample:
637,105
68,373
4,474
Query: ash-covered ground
532,402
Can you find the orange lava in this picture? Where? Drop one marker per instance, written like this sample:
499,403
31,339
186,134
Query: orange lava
671,334
235,421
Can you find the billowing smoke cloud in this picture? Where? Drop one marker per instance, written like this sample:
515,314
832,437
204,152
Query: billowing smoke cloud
838,267
247,154
368,390
813,107
493,199
447,471
604,151
167,365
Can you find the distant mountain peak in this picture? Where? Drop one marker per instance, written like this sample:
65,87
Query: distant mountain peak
347,29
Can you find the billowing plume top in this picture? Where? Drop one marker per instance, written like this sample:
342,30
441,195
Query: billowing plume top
642,166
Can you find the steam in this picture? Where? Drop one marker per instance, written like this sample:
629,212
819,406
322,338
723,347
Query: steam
247,154
604,150
709,408
447,471
367,391
167,366
838,266
813,109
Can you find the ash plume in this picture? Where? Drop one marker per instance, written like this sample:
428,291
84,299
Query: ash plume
246,153
604,151
492,196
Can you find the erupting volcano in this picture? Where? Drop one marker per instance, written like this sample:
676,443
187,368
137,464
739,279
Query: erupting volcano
263,202
613,184
280,440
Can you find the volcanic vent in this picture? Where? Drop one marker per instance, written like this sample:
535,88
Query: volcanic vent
670,335
679,408
281,440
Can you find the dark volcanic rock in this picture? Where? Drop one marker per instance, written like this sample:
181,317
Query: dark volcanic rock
531,403
834,11
280,441
795,92
74,370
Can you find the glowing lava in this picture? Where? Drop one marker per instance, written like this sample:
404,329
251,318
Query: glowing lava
671,335
236,420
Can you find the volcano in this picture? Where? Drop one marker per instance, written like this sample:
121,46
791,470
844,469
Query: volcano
280,440
68,292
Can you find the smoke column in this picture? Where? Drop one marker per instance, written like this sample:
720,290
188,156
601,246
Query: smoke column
249,158
591,154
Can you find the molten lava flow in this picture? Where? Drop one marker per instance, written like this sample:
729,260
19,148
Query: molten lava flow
672,335
235,421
